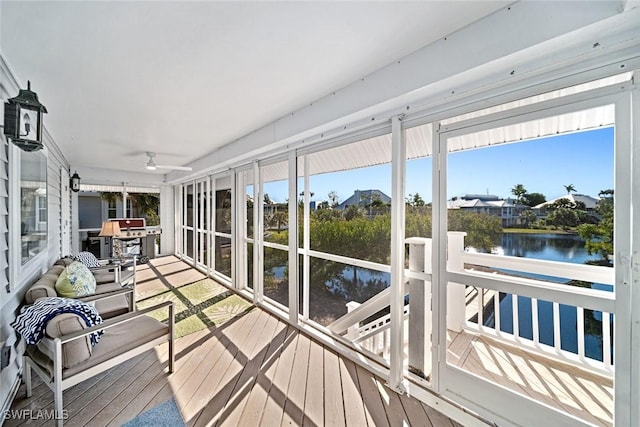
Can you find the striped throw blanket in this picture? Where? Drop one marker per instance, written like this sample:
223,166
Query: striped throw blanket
32,320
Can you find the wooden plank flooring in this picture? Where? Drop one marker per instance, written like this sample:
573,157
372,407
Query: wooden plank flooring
257,370
253,370
560,385
253,359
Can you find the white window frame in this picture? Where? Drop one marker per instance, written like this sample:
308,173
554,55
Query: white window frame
19,274
477,393
213,233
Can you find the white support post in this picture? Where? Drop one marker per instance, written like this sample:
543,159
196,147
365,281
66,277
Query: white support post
534,321
183,248
306,272
194,233
294,309
580,325
168,223
496,311
352,331
439,259
455,291
634,185
258,234
626,382
480,307
178,227
201,236
240,220
240,234
515,317
211,266
419,335
557,338
398,166
75,224
235,241
606,340
57,381
124,200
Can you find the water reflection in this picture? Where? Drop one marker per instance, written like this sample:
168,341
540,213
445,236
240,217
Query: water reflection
546,246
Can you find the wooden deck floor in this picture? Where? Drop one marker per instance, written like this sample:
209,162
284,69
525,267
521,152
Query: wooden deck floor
560,385
253,370
257,370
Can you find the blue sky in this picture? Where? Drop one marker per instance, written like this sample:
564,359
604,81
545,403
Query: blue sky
546,165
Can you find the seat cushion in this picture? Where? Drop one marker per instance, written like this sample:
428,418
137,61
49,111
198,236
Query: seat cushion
75,281
104,276
120,339
126,276
111,307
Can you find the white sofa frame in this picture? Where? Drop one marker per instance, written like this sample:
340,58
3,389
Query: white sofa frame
58,384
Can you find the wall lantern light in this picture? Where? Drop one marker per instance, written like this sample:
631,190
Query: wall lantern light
75,182
23,120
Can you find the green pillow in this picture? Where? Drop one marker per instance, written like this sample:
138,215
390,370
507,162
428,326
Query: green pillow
75,281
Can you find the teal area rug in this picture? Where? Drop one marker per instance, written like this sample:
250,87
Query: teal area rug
165,414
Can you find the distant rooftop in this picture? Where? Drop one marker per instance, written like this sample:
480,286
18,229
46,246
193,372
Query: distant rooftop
482,197
365,197
589,202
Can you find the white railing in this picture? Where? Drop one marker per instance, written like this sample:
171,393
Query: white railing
485,273
375,335
493,282
357,312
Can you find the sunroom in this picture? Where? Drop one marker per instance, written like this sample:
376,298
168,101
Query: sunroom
341,217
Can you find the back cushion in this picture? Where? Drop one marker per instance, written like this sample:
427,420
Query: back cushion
45,285
75,281
75,351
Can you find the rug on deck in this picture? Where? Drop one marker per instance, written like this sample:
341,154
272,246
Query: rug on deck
165,414
199,305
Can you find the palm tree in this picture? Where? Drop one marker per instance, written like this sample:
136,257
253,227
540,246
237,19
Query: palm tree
279,218
333,196
570,188
519,191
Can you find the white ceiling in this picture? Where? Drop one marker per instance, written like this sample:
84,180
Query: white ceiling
184,78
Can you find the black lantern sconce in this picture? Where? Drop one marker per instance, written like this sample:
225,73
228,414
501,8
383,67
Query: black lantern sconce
75,182
23,120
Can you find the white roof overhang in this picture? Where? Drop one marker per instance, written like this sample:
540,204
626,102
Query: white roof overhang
377,150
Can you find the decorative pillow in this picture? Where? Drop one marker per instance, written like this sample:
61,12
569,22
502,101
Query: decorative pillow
75,281
87,258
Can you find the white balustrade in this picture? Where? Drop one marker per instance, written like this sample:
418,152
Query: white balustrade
536,291
490,286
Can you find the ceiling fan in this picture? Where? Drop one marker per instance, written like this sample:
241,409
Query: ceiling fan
151,165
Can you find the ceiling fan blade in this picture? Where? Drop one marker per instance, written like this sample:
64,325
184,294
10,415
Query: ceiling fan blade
179,168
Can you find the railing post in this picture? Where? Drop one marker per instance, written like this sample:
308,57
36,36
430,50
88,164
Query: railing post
352,331
419,335
455,291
